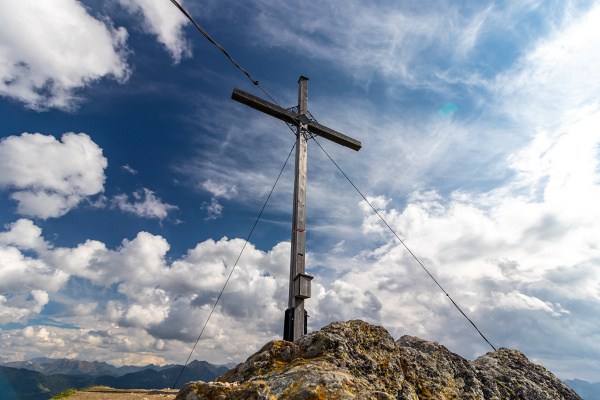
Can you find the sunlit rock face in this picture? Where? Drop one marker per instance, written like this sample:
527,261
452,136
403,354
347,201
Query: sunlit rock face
357,360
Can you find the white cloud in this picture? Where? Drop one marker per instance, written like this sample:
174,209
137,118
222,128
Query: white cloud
48,177
60,342
21,272
24,235
156,302
19,307
214,209
157,292
556,77
145,315
519,301
25,281
165,21
129,169
343,301
75,261
145,204
141,259
550,199
219,189
62,50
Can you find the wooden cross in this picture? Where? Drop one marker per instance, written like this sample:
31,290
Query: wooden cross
299,287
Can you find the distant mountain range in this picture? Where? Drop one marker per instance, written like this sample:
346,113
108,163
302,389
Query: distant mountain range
51,366
587,391
42,378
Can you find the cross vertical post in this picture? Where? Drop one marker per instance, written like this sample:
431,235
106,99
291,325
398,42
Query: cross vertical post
299,285
300,282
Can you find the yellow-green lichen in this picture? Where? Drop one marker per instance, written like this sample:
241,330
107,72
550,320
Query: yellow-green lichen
65,394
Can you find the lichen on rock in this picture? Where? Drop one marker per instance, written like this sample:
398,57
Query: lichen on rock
357,360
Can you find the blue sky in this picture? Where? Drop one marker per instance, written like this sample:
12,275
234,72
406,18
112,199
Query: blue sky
129,179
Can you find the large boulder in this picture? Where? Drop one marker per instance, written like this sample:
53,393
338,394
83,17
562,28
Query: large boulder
357,360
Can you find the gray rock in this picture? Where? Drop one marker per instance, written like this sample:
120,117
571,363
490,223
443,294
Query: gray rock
357,360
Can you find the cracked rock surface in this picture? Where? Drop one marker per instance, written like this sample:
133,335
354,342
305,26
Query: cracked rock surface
357,360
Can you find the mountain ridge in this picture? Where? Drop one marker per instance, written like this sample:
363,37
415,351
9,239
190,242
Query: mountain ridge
67,366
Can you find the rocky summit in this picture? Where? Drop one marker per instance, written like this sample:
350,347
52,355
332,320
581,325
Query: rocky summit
357,360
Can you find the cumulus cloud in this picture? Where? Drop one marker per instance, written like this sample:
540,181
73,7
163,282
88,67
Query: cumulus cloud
24,235
343,301
141,258
20,271
145,204
163,20
21,306
148,300
49,177
62,50
59,342
25,281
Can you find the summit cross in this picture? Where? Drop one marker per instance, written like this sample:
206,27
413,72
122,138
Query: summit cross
295,323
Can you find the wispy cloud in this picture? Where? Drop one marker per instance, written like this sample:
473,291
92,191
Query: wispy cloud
240,163
409,44
558,74
129,169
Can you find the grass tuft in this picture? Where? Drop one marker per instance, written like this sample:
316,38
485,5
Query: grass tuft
66,393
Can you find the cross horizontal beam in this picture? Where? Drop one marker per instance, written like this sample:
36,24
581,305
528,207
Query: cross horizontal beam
287,116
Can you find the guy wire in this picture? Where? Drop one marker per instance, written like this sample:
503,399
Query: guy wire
403,243
235,264
221,48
